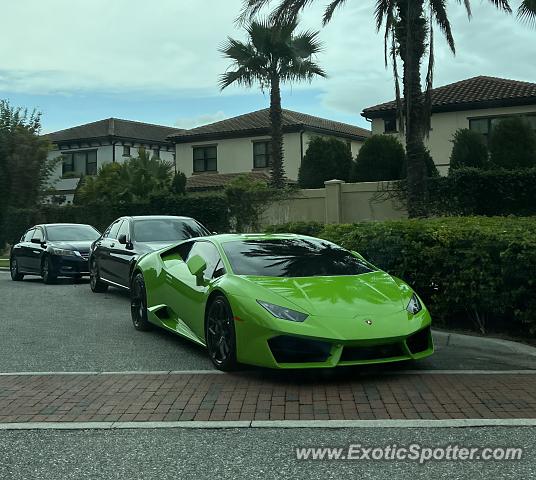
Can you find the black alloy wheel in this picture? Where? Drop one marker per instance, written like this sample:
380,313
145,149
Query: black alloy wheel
138,304
220,334
47,271
96,284
14,269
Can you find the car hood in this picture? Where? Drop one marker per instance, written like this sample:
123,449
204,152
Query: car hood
81,246
344,296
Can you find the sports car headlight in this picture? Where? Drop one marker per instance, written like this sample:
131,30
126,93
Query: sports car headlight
414,305
283,312
64,252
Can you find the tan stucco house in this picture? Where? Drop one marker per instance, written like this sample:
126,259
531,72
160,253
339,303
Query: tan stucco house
213,154
476,103
86,148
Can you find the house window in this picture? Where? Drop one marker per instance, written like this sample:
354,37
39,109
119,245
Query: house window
390,124
91,162
262,154
485,125
126,151
80,163
205,159
67,163
156,152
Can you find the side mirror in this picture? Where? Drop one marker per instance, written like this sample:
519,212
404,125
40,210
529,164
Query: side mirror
122,239
197,266
36,240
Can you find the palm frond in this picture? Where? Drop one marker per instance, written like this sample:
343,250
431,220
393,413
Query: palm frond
467,5
502,5
526,12
429,77
302,70
250,9
307,44
439,13
330,10
288,11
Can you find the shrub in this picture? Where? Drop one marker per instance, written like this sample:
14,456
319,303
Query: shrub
247,199
325,159
311,229
473,272
381,157
472,191
513,144
468,150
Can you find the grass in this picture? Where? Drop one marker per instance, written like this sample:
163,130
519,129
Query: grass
4,262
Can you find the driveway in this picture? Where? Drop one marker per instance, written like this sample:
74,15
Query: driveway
66,327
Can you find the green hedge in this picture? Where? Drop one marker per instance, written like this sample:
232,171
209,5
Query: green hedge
472,191
211,210
473,272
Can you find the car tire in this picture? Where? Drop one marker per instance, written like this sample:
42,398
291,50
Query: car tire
220,334
14,269
96,284
47,271
138,304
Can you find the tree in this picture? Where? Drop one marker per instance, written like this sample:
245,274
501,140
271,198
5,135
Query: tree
134,180
513,144
381,157
247,199
273,55
325,159
468,150
25,170
408,35
178,184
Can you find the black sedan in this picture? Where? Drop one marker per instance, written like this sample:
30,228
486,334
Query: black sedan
114,254
53,250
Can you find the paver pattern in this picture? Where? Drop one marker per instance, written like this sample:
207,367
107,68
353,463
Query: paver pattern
258,396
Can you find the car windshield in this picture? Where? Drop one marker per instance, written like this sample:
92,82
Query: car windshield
71,233
167,229
292,257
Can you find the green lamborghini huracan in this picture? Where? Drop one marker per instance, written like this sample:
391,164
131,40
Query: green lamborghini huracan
281,301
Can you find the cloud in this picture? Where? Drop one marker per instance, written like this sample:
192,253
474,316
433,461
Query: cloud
170,48
204,119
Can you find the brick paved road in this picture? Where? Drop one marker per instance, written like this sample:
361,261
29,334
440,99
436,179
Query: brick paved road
252,396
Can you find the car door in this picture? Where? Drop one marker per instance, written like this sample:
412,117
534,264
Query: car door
21,251
187,297
103,250
122,255
35,250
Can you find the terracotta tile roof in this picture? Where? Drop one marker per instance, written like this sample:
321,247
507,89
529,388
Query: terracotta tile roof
258,122
214,181
476,92
114,127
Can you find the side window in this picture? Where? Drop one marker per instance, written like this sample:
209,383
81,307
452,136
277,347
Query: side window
112,231
208,252
38,233
184,249
28,235
124,229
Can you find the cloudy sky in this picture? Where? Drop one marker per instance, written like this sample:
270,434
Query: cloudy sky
157,61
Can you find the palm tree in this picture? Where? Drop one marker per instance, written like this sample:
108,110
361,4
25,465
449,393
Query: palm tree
408,35
273,55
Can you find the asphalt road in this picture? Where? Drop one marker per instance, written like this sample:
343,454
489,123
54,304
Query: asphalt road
249,453
66,327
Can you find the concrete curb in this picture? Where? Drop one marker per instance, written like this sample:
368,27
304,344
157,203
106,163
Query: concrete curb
447,339
447,423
